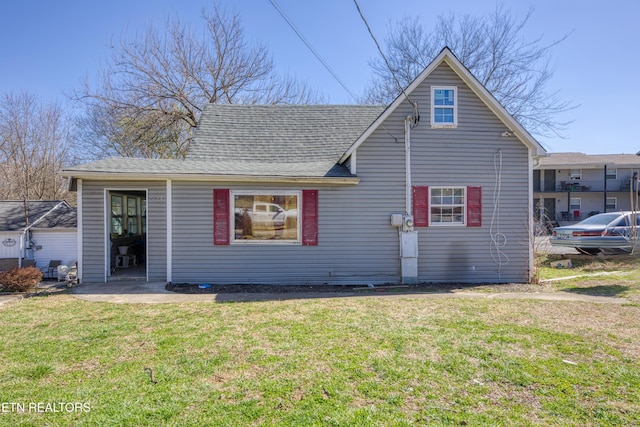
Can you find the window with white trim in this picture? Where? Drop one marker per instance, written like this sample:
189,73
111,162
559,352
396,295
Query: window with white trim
116,215
612,173
575,203
128,212
265,216
575,174
611,204
444,106
447,205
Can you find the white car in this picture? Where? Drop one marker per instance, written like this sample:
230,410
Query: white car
268,214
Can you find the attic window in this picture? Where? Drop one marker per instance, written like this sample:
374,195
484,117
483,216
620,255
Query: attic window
444,106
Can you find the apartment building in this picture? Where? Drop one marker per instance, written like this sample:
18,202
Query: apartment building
568,187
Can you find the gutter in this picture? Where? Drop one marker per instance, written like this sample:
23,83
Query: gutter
117,176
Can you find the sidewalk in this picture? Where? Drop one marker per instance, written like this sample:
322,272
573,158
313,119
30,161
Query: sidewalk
139,292
4,299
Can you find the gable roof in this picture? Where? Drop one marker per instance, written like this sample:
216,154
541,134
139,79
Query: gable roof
42,214
446,56
283,143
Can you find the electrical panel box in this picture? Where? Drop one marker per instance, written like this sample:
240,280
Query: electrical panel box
409,244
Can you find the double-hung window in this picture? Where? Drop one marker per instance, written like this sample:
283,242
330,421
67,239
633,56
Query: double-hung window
128,215
447,206
451,205
575,203
117,215
444,106
132,215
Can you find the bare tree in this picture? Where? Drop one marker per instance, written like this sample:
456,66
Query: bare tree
33,147
515,70
153,89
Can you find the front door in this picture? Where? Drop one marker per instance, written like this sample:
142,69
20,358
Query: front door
550,180
550,209
127,235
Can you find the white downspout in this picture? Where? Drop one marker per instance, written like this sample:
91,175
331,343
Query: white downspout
169,202
79,229
407,166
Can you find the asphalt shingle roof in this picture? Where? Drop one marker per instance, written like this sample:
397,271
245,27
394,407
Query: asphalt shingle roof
130,165
279,133
12,215
291,141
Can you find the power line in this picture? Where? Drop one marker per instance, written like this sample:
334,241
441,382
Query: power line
306,42
415,104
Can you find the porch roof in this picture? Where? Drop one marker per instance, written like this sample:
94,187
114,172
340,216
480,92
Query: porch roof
154,169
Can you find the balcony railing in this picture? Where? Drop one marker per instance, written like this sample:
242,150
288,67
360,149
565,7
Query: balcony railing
582,186
585,186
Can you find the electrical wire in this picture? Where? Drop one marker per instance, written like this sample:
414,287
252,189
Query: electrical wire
414,103
311,48
498,239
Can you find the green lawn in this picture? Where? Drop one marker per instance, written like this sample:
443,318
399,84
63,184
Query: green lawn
339,361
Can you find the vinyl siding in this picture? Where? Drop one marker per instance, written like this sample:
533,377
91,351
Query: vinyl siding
94,235
156,231
93,232
13,250
356,243
345,254
56,244
468,156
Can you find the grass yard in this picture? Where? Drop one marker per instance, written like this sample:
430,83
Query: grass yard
339,361
611,276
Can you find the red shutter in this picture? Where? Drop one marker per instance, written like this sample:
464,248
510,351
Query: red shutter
474,206
221,226
310,217
420,206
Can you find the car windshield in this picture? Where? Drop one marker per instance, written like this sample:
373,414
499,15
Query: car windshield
601,219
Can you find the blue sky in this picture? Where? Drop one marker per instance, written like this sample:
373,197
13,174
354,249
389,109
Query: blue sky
49,47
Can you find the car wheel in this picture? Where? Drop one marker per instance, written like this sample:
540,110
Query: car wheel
588,251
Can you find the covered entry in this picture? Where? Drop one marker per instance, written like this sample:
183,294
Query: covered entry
127,234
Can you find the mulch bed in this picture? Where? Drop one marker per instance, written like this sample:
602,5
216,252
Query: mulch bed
194,288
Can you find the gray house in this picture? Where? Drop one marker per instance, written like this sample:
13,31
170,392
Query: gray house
436,187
